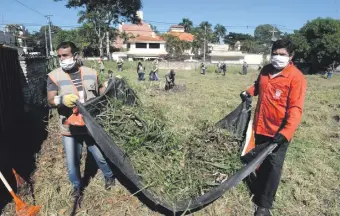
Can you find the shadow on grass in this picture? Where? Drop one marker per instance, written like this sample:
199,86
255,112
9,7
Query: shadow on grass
19,150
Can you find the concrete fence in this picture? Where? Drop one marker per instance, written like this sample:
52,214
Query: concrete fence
180,65
33,80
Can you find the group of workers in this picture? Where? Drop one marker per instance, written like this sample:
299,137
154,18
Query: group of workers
153,75
222,67
280,88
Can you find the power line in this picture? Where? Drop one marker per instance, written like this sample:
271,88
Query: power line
29,7
163,29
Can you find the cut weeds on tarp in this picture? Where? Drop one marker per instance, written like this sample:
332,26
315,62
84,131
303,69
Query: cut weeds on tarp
172,169
175,175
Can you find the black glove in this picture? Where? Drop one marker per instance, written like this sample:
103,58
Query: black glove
279,139
244,95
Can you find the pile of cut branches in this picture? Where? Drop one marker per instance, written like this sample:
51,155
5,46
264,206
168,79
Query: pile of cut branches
173,169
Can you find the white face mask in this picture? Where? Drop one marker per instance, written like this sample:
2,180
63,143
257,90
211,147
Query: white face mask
67,64
279,62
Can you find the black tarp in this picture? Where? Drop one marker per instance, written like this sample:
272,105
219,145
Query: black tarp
238,118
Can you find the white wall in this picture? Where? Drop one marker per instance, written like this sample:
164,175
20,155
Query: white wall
251,59
227,59
254,58
146,52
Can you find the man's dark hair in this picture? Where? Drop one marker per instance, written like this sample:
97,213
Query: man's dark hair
284,43
67,44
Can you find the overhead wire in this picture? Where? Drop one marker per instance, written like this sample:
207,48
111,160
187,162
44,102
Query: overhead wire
32,9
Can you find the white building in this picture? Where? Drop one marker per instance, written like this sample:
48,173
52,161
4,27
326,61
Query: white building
222,53
143,42
15,39
7,39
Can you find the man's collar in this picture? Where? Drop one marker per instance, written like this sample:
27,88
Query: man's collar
286,71
73,70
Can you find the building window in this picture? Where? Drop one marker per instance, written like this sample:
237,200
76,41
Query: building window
128,45
154,45
141,45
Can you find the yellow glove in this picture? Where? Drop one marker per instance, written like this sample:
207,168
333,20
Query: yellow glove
69,100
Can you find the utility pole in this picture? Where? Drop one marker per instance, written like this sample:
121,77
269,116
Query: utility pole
205,34
49,29
46,43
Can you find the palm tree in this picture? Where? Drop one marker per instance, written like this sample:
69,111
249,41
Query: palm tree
220,32
187,24
205,24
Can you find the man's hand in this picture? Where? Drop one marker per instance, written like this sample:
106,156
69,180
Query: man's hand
244,95
279,139
69,100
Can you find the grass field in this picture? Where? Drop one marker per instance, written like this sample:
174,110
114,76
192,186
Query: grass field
310,181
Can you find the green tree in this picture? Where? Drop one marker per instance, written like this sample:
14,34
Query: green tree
318,42
263,33
102,15
187,24
203,33
176,47
233,37
38,41
154,28
219,33
82,37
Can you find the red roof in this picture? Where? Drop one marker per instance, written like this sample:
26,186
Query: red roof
141,29
183,36
147,38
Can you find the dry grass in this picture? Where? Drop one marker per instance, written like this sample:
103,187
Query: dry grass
311,175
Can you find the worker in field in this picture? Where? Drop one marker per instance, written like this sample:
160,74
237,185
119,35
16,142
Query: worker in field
101,65
224,68
170,80
203,68
281,89
66,85
329,72
140,71
219,67
120,65
244,68
154,72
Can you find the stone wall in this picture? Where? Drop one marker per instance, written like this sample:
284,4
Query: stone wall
180,65
34,76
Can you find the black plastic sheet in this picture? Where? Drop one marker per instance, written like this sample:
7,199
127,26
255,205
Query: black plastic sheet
236,123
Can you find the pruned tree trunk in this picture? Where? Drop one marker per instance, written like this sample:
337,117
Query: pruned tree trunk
101,49
108,45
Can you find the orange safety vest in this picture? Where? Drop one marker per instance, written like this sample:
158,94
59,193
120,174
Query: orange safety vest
66,86
280,102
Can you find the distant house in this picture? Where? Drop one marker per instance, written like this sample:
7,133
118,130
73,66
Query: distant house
178,31
222,53
14,36
142,42
7,39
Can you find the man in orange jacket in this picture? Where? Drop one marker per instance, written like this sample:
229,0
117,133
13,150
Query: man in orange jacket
281,89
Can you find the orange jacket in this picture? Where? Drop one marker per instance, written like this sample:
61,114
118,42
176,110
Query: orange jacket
280,103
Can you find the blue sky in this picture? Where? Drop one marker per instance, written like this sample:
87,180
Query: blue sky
292,14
